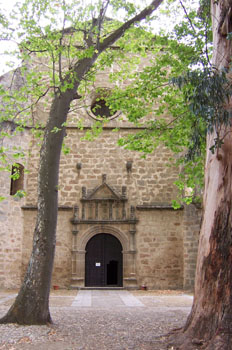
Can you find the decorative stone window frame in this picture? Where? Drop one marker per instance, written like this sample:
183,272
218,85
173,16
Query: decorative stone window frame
91,99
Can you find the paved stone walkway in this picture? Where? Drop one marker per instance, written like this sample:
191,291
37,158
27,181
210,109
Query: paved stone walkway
105,299
100,320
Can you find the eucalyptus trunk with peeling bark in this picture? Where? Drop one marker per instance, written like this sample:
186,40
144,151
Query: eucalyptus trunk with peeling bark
209,325
32,303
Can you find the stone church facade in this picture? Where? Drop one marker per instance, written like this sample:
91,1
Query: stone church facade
116,225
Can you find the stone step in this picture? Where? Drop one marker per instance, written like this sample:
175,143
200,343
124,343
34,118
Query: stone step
102,288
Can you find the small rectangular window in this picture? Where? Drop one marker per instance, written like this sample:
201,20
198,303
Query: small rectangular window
17,178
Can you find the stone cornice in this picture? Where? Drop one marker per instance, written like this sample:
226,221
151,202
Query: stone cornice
157,207
34,207
106,222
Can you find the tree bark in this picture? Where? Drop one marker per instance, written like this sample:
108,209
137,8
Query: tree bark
32,303
209,325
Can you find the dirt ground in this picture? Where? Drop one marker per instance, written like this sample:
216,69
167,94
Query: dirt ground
103,328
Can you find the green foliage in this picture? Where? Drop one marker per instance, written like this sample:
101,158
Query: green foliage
95,130
180,98
16,174
55,130
20,194
65,149
206,92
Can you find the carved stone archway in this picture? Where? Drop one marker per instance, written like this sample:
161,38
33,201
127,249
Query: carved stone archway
92,231
78,255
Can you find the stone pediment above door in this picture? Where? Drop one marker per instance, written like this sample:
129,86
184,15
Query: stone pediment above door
103,192
104,204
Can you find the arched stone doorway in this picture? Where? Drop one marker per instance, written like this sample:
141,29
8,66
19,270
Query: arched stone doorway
79,244
103,261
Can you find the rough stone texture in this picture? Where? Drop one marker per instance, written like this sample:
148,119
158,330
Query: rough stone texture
150,180
191,224
159,248
62,264
11,219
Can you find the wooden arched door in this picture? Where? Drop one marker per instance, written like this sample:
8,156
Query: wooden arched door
103,261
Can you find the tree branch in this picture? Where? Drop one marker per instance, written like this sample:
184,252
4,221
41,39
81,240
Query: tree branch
60,45
100,21
206,46
111,39
186,14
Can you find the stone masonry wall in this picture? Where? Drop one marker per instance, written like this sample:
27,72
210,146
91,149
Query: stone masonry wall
149,181
191,224
11,219
159,241
62,263
166,253
161,234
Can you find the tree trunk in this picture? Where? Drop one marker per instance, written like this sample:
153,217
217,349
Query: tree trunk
32,303
209,325
210,321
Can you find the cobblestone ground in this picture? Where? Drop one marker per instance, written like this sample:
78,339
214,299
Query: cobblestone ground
124,321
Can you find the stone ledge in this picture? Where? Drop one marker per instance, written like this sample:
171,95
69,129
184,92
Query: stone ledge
120,127
95,221
103,200
34,207
157,206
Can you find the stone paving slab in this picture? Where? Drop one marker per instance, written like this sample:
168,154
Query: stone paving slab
105,299
83,298
130,300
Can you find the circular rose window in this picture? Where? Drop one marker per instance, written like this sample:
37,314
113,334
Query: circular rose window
99,108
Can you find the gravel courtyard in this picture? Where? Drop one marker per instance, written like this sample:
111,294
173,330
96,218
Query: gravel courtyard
100,319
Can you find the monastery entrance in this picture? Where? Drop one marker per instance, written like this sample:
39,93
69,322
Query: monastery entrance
103,261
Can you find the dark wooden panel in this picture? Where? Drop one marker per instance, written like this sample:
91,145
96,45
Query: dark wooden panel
103,261
94,261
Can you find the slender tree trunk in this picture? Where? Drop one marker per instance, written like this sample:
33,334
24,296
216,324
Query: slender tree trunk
209,325
32,303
